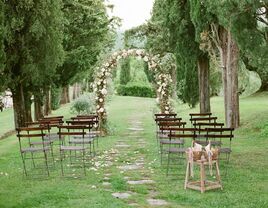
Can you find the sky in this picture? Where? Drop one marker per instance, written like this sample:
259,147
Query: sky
132,12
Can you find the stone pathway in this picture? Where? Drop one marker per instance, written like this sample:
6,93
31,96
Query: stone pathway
128,156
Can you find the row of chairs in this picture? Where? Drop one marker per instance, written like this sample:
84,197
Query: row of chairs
74,140
171,132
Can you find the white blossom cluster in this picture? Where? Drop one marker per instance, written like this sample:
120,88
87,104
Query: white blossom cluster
164,82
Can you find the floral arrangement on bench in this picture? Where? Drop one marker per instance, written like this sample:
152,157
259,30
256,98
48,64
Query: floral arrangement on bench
199,153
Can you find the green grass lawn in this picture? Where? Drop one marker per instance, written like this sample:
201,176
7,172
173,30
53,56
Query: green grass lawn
246,184
6,121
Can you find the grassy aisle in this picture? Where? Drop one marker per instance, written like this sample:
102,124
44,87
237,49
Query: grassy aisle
245,186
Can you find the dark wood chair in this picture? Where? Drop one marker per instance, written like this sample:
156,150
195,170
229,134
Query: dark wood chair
159,133
34,147
179,149
223,139
89,137
78,148
94,118
168,128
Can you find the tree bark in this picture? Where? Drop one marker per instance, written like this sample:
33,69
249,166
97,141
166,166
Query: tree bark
78,90
203,75
38,109
223,36
47,108
28,105
233,119
65,98
74,91
18,106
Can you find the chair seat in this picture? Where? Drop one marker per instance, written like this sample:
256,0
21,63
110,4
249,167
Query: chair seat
213,143
41,143
52,137
72,148
34,149
163,136
81,141
166,141
176,150
225,150
95,132
87,136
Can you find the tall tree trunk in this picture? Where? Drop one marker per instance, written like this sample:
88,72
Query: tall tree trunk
38,112
203,75
229,54
74,91
38,109
233,119
223,36
28,105
47,108
18,106
65,95
68,94
78,90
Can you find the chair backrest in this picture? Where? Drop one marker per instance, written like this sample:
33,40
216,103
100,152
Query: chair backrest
180,133
220,133
192,115
93,117
160,119
30,133
88,123
40,123
165,125
209,119
164,115
90,116
202,125
52,121
52,117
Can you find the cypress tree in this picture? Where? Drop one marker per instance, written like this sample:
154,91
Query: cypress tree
33,49
125,71
2,53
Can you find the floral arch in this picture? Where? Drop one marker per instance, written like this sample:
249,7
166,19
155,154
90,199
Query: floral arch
157,64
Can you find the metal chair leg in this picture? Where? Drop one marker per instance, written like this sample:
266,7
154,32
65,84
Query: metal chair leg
61,162
24,165
45,154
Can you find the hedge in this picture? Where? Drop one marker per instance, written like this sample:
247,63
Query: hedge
135,89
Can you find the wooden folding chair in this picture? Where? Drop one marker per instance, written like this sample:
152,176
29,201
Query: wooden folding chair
71,131
178,149
31,141
167,128
224,138
89,138
94,118
163,119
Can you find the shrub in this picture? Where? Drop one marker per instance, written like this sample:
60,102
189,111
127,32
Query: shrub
83,105
135,89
